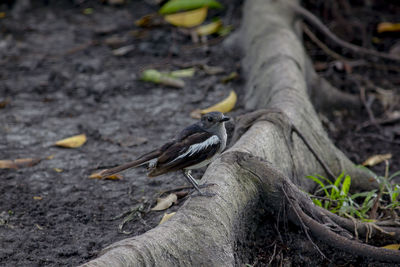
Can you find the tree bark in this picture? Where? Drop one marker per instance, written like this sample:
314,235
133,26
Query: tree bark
275,148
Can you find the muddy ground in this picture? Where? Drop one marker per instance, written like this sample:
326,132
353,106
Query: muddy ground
59,77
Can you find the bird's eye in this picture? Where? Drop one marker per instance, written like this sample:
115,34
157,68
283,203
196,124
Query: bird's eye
209,119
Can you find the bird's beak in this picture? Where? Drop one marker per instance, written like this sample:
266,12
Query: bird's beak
225,118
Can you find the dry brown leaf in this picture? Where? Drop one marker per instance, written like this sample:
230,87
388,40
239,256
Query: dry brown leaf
166,217
165,203
224,106
376,159
150,20
4,103
18,163
187,19
392,246
73,141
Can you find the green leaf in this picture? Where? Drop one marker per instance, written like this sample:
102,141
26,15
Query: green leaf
345,186
325,179
317,202
174,6
318,181
394,175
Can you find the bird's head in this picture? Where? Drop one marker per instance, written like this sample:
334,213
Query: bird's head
213,119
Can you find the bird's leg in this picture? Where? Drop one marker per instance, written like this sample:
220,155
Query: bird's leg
189,177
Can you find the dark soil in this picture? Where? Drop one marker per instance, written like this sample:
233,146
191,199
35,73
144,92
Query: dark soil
59,77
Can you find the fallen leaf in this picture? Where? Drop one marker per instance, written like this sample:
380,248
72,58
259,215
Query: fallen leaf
174,6
4,103
166,217
392,246
165,203
114,41
230,77
224,106
88,11
155,76
37,198
187,19
183,73
122,51
388,27
73,141
149,20
209,29
98,175
212,70
376,159
2,15
225,30
38,226
387,97
18,163
58,169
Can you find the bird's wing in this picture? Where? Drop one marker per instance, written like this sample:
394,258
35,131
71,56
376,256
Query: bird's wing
188,131
189,151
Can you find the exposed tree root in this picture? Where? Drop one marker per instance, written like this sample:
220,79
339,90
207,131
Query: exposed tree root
285,134
302,211
357,50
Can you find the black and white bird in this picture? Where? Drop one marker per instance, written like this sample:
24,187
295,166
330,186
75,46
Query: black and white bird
195,147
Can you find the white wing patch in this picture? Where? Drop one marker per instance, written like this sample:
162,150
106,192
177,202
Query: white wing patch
213,140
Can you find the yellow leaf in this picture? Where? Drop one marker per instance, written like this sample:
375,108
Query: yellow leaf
166,217
72,142
210,28
37,198
224,106
114,177
58,169
98,175
165,203
392,246
388,27
188,19
376,159
18,163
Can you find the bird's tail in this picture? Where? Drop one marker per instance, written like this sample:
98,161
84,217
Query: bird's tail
136,163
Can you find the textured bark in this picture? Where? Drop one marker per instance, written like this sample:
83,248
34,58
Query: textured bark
213,231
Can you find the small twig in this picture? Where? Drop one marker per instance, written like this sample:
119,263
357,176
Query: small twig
321,45
368,108
272,256
312,19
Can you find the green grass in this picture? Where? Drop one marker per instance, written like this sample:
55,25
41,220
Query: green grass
335,196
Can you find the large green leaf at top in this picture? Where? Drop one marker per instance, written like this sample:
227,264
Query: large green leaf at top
173,6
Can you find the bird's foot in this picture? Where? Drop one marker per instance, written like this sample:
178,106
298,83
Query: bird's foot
196,192
206,185
202,194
